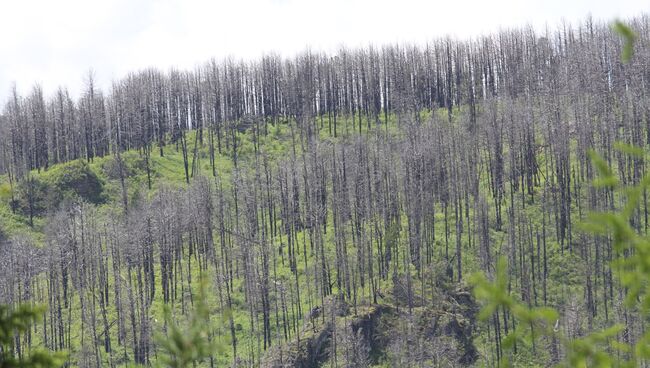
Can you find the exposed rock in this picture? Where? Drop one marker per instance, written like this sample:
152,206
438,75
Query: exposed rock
310,351
447,327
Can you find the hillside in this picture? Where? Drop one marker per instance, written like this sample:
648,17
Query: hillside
334,209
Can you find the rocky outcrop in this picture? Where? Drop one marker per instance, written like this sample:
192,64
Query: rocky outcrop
446,328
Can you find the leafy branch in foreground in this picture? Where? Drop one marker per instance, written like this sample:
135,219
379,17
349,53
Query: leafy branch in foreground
629,37
19,320
184,346
632,268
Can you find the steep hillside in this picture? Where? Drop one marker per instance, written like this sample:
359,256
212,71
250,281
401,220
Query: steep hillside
334,206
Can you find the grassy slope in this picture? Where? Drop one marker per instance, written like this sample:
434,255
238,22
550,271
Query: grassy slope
565,276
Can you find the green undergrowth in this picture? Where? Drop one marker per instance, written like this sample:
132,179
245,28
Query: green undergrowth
566,270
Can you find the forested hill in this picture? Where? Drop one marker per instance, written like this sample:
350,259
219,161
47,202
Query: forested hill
324,196
571,66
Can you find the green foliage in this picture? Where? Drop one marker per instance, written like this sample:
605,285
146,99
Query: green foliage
632,268
588,351
76,179
35,194
19,320
629,37
31,196
533,321
184,346
5,192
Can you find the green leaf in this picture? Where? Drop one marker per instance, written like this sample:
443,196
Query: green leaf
629,37
629,149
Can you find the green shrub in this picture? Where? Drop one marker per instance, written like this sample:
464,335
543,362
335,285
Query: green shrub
76,179
71,181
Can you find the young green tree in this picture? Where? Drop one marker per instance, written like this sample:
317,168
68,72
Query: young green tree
632,267
186,345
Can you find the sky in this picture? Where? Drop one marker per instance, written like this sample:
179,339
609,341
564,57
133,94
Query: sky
57,43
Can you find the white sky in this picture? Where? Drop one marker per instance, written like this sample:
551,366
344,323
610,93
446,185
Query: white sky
56,42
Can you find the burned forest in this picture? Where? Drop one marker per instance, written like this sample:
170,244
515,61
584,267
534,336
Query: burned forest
331,209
